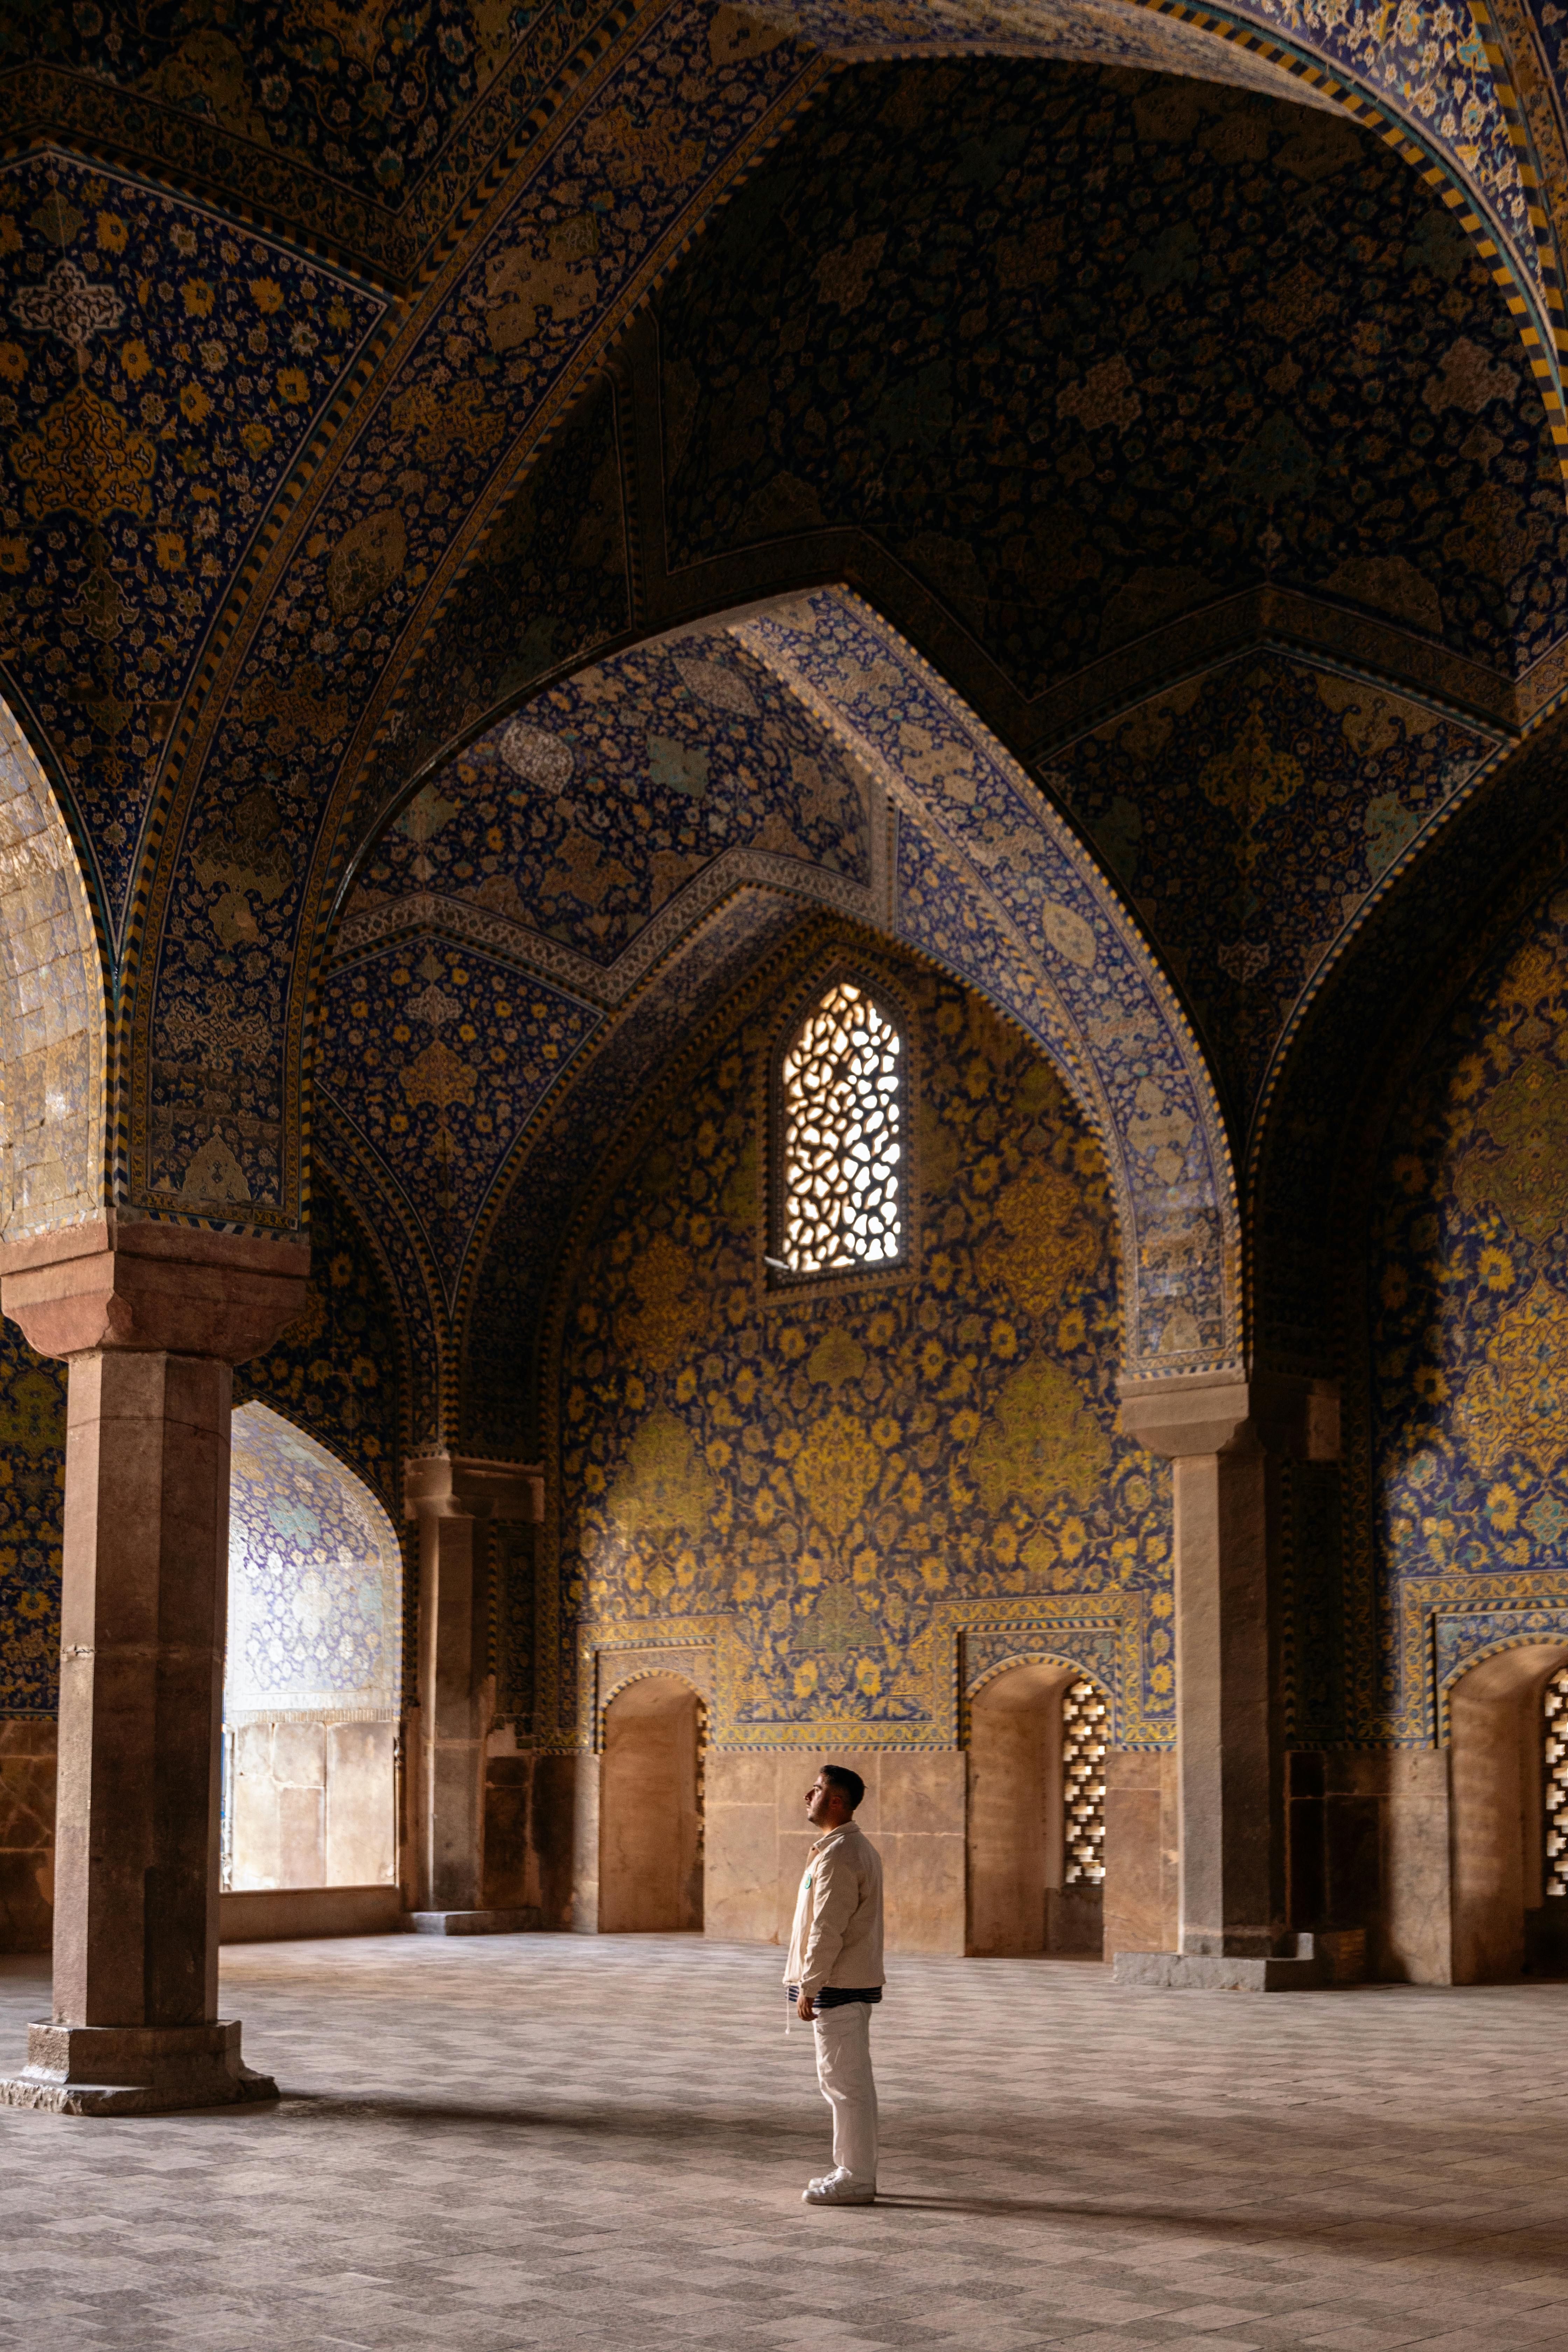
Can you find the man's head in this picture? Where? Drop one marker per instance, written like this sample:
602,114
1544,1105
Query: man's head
832,1796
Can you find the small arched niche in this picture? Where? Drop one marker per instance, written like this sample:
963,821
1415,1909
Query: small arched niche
1503,1922
313,1676
650,1810
1038,1735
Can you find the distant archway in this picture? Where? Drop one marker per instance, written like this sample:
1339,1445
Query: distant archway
650,1810
311,1687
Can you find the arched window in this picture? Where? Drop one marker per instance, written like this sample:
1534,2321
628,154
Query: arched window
840,1123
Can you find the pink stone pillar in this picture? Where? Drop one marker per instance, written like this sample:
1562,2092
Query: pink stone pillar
454,1500
1226,1437
150,1317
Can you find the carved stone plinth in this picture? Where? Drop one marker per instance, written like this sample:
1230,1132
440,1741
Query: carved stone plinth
134,2070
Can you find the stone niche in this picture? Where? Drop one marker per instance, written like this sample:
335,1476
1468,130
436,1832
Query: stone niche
312,1804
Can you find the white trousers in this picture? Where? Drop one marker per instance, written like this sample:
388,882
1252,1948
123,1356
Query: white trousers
844,2071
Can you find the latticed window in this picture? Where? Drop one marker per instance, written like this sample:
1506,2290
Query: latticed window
1086,1722
1556,1709
841,1123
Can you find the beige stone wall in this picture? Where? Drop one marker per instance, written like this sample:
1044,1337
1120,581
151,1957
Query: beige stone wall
313,1805
650,1821
1141,1854
757,1838
26,1833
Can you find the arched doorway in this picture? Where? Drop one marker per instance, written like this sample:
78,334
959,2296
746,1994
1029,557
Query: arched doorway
650,1810
312,1680
1504,1919
1037,1736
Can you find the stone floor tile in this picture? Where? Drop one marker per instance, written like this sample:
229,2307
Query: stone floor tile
514,2146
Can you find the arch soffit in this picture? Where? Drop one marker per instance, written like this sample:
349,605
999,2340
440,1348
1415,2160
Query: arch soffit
519,441
1465,138
53,1142
1446,906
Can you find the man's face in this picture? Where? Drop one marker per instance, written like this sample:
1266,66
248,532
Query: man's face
823,1805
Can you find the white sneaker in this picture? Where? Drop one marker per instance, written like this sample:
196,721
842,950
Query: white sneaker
832,2189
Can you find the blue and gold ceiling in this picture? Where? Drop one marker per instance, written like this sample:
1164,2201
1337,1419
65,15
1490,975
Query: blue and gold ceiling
379,382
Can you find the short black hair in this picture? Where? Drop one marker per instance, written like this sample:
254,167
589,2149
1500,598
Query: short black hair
839,1776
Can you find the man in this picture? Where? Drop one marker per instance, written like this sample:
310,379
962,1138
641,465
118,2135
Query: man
834,1976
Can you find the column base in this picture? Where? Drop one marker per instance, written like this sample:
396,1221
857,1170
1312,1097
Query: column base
473,1923
134,2070
1217,1972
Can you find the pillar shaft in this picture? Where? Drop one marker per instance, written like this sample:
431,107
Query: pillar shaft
150,1319
1229,1768
1226,1437
141,1653
455,1500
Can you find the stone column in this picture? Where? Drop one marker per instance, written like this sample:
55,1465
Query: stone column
454,1500
150,1319
1226,1437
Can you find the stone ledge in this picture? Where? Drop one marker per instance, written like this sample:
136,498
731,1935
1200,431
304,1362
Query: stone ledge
1207,1972
474,1923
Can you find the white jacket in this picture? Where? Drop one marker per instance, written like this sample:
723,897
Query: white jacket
836,1939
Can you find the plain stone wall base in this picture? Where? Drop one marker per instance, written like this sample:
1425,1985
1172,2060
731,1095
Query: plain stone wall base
134,2070
1204,1972
282,1913
474,1923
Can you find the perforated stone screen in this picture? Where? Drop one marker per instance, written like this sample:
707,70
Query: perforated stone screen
1086,1719
1556,1712
842,1087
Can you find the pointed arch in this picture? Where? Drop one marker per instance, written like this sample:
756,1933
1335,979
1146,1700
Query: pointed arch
992,883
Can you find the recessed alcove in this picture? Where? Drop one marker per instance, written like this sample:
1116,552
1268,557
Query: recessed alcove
650,1810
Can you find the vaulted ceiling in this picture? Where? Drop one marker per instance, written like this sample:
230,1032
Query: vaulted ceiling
376,380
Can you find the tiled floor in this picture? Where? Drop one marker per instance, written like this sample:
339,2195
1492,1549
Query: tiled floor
553,2141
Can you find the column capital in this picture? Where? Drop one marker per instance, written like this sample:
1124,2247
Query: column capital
1219,1412
460,1486
134,1284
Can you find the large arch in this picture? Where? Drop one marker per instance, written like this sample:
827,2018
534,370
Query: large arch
404,574
956,854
